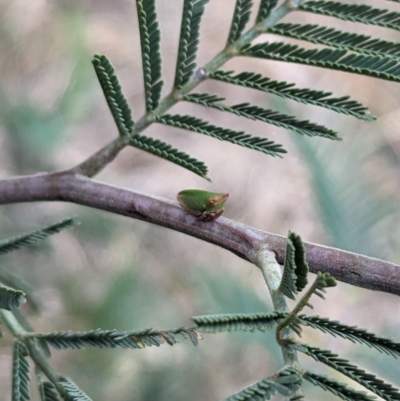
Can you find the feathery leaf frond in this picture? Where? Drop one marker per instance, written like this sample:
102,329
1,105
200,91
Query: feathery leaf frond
266,6
352,333
241,17
73,392
286,90
112,90
151,55
238,322
378,67
48,392
368,380
287,382
296,268
223,134
332,37
11,298
354,12
189,40
20,372
265,115
17,242
339,389
116,339
167,152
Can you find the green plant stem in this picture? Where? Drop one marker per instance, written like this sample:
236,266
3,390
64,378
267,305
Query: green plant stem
95,163
18,331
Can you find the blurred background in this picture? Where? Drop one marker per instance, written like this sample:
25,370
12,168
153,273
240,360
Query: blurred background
113,272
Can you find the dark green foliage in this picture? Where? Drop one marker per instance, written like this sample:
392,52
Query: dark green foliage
332,37
265,9
268,116
368,380
288,91
20,372
14,243
73,392
162,149
296,268
341,390
355,13
378,67
151,55
117,339
48,392
240,19
352,333
112,90
238,322
224,134
189,41
11,298
287,382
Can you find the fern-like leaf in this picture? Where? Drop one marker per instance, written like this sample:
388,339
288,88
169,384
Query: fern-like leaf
167,152
238,322
287,382
20,373
339,389
332,37
189,40
14,243
151,55
368,380
296,268
224,134
352,333
266,6
258,113
241,17
336,59
112,90
11,298
289,91
354,12
48,392
73,392
116,339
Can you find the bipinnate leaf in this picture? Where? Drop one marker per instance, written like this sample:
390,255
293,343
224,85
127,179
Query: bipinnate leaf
189,40
336,59
339,389
73,392
11,298
332,37
223,134
117,339
240,18
167,152
20,372
48,392
238,322
343,105
286,382
266,6
362,13
17,242
252,112
382,389
151,54
112,90
296,268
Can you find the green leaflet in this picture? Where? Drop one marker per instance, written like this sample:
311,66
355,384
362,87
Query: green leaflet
20,372
73,392
287,90
11,298
354,12
151,55
240,18
266,6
